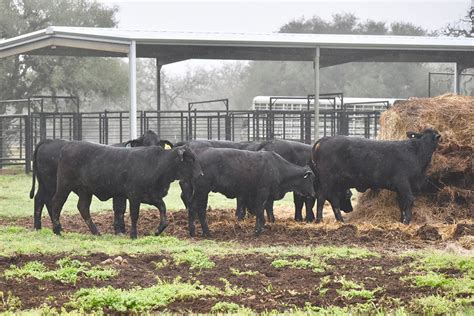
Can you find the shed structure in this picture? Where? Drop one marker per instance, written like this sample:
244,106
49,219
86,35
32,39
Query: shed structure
168,47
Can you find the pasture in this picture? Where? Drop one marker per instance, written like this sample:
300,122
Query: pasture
329,268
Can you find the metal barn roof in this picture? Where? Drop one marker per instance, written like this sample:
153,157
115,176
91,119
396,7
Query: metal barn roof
170,47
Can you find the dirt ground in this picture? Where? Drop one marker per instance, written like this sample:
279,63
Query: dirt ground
289,286
285,231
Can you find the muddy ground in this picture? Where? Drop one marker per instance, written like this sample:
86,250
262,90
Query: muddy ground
271,288
289,287
285,231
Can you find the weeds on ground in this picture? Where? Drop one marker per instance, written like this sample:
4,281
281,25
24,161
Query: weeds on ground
438,261
237,272
453,286
9,302
343,253
322,285
231,290
69,271
438,305
315,264
139,299
161,264
195,258
230,308
351,289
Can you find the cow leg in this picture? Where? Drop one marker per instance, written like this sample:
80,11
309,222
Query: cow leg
309,204
160,204
405,202
319,209
58,201
83,205
240,210
134,214
201,211
269,209
186,193
336,208
119,206
38,205
191,221
259,221
298,201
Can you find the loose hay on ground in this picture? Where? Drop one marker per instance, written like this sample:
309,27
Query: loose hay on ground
449,196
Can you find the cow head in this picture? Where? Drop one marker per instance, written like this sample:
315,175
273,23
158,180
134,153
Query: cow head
429,135
345,201
150,138
304,184
189,166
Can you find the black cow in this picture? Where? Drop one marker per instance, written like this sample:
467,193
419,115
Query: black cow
343,162
204,143
255,177
299,154
45,164
140,174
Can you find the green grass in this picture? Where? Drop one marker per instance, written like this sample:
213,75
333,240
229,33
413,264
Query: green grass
439,305
69,271
195,258
9,302
18,240
231,308
439,260
329,252
237,272
15,200
452,286
139,299
315,264
351,289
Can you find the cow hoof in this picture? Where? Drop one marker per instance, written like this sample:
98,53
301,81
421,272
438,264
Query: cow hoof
298,219
206,235
309,220
318,220
258,232
160,230
57,230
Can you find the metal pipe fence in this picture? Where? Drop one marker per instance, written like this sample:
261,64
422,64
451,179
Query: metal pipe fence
19,134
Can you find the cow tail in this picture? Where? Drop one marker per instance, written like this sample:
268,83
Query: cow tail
32,192
312,163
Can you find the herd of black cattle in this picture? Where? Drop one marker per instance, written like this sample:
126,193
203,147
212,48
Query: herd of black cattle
256,173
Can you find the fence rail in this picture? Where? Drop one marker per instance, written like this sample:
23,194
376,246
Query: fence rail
19,134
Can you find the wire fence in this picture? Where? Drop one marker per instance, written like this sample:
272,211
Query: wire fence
19,133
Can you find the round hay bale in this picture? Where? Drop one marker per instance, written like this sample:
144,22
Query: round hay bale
449,194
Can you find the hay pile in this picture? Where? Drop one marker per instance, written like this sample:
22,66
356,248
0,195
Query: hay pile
450,195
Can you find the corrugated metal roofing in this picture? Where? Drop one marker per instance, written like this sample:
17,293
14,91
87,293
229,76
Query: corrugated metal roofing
253,39
174,46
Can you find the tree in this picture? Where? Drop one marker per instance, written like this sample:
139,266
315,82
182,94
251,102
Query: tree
391,80
25,75
463,27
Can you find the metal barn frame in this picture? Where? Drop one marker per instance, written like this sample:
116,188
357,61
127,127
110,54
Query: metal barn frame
322,50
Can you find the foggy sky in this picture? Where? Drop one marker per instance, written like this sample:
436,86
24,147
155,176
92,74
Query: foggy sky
268,16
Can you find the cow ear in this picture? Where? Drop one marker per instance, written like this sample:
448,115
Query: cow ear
438,137
181,152
413,135
164,143
307,174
